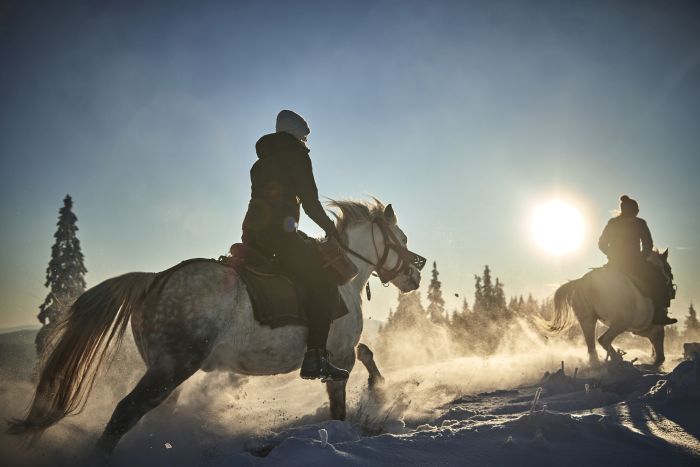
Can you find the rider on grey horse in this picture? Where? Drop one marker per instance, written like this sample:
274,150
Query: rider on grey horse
620,241
281,180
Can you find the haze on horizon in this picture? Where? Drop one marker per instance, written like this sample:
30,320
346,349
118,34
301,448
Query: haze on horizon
465,116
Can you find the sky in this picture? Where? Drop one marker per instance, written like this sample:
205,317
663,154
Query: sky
464,115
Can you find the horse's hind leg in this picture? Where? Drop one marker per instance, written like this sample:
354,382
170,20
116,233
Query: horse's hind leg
153,388
366,356
178,361
167,407
606,342
588,328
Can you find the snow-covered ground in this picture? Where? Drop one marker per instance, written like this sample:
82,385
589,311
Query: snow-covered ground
463,411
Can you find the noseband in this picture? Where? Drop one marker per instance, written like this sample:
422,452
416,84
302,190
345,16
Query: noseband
407,258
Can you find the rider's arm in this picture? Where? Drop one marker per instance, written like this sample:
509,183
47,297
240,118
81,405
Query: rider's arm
302,174
645,235
603,243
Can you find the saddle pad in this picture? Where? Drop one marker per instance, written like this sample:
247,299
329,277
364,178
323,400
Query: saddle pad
276,300
636,280
274,297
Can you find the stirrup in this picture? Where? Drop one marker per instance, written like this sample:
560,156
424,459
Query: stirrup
317,365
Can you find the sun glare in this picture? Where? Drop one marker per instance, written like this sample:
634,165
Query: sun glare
557,227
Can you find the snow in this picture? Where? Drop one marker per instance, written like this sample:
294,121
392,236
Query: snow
506,410
513,427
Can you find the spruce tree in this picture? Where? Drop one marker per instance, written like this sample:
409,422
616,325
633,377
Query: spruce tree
490,310
692,325
499,300
479,304
465,307
461,320
489,297
436,304
513,306
409,313
487,289
64,275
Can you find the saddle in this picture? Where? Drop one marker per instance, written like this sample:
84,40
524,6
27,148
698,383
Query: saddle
277,298
643,282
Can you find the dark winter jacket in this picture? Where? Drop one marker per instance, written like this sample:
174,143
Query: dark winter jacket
622,237
281,180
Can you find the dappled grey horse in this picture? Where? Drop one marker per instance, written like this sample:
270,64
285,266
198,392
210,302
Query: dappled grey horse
201,318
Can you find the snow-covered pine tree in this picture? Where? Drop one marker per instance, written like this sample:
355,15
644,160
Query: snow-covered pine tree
436,304
64,275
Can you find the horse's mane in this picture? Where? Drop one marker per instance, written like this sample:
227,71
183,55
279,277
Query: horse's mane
351,212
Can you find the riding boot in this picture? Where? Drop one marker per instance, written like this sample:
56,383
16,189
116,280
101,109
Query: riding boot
317,364
661,316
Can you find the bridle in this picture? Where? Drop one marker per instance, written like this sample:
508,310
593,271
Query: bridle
407,258
668,275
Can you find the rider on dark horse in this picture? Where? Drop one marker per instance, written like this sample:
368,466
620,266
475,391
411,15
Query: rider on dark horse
620,241
281,180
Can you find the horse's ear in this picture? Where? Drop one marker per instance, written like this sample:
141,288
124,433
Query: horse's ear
664,255
389,214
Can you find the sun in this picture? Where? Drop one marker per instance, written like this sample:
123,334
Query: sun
557,227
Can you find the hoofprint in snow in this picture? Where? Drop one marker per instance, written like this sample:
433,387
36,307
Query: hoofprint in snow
445,413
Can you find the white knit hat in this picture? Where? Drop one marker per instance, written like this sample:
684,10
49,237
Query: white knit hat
292,123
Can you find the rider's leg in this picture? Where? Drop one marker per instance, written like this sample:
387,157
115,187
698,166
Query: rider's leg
323,293
661,312
323,300
657,290
301,260
661,303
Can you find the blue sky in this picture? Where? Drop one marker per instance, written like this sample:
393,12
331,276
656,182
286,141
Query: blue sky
464,115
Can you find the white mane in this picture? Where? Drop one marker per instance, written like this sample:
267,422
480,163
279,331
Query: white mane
350,212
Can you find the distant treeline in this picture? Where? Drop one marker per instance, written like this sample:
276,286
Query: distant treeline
486,326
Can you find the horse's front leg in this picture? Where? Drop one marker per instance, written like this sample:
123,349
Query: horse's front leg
656,337
336,389
366,356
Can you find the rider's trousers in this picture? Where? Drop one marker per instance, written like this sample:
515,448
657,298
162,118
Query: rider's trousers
301,260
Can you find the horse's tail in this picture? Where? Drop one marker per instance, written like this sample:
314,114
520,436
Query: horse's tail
97,318
563,303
